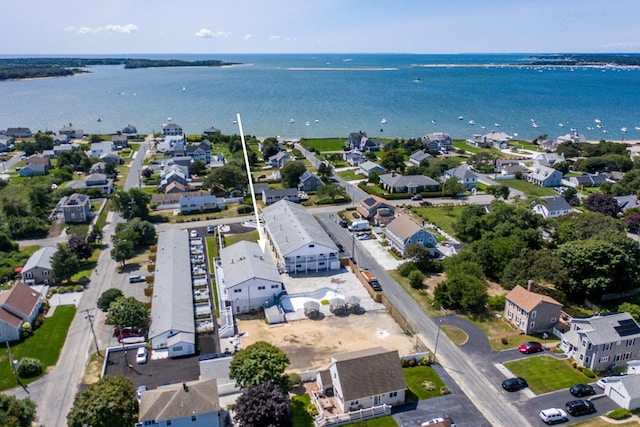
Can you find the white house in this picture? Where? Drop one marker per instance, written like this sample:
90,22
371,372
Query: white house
18,305
552,207
38,270
172,322
97,149
299,242
468,179
250,277
624,390
171,129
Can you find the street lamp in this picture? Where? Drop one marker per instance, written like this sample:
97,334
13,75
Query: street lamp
89,316
435,349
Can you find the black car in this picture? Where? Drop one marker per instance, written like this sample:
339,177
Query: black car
580,407
340,247
514,384
580,390
343,223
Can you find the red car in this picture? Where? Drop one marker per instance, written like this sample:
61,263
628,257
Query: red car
530,347
127,331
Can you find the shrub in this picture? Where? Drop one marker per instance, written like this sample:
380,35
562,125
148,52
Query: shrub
425,361
78,288
416,278
37,322
497,302
588,372
619,414
245,209
504,340
574,364
312,410
406,268
444,391
294,379
29,367
404,363
26,330
412,362
84,280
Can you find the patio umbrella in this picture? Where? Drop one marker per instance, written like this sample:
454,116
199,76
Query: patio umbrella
337,302
311,305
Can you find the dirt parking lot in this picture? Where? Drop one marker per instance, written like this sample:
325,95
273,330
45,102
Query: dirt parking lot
310,343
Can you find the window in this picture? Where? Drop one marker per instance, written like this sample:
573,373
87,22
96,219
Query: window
604,359
275,286
45,272
631,342
586,360
606,347
618,356
627,356
533,314
237,291
177,348
312,245
510,315
532,325
193,417
261,288
393,394
168,422
553,321
354,403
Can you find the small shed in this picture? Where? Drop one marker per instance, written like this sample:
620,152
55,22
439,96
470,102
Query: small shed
274,315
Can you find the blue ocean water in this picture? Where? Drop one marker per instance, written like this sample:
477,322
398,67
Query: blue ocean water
331,95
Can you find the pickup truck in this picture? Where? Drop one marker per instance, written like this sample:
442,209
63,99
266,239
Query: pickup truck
372,280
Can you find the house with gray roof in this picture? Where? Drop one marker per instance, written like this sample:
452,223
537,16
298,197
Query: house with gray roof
199,203
353,157
404,231
6,143
172,129
309,182
603,341
274,195
437,141
201,151
416,158
38,270
172,321
588,180
18,305
368,167
75,208
552,207
544,176
299,242
627,202
359,141
365,378
278,160
120,141
191,403
33,170
548,159
499,140
18,132
464,175
97,149
624,391
97,181
250,277
71,131
396,183
129,131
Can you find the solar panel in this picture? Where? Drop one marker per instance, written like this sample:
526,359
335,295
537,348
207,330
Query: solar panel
627,327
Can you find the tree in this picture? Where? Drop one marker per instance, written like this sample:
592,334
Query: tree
498,191
16,412
268,150
421,258
453,187
462,291
632,309
483,161
109,402
64,264
107,297
132,203
140,233
331,190
79,246
95,234
197,167
571,196
127,311
325,170
605,204
6,244
226,178
393,160
587,225
290,174
122,251
541,266
257,364
416,277
265,405
632,222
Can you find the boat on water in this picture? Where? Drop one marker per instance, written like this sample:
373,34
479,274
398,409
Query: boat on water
460,117
561,125
317,121
624,130
169,118
597,121
383,121
637,128
234,122
535,125
99,119
589,128
433,121
418,80
292,121
497,125
308,124
184,89
471,122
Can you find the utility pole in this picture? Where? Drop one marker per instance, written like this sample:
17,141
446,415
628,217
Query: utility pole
435,349
89,316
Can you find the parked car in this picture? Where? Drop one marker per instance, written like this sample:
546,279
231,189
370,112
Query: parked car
439,422
580,407
343,223
126,334
603,381
530,347
553,415
514,384
135,278
139,392
193,234
141,355
581,390
416,197
125,330
210,229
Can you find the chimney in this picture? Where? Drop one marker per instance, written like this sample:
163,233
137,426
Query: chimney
530,284
184,386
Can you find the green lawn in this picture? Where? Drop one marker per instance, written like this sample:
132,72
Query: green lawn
299,405
386,421
528,189
350,175
444,217
251,236
324,144
416,377
462,145
545,374
45,345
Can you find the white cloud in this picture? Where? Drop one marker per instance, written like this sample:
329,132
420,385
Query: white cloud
248,36
274,38
110,28
623,45
205,33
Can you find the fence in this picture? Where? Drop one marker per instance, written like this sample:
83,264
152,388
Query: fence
349,417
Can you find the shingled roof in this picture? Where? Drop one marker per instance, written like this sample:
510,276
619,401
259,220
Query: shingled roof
528,300
180,400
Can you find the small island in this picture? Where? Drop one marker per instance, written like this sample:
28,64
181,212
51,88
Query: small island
32,68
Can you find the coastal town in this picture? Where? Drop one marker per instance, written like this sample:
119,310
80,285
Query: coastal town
189,277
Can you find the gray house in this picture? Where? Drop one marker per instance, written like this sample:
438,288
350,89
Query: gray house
412,184
552,207
468,179
602,341
309,182
278,160
403,231
37,269
75,208
545,176
273,195
531,312
437,141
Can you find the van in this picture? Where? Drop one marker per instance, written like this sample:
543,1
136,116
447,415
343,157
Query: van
136,278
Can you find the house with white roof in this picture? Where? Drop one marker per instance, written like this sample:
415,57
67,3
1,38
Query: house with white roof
299,242
437,141
97,149
38,269
464,175
544,176
499,140
172,321
368,167
250,277
552,207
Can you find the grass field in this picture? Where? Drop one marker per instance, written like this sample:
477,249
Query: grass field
45,345
324,144
528,189
444,217
251,236
456,335
417,376
386,421
545,374
350,175
299,414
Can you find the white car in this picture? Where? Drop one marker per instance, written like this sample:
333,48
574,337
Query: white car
439,422
193,234
553,415
141,355
602,382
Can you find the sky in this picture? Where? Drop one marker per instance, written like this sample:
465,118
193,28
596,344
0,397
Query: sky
322,26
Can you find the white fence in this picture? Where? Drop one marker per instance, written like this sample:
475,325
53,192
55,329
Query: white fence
349,417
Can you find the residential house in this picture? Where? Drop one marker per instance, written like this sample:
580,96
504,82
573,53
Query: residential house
309,182
365,378
369,167
416,158
273,195
200,152
531,312
172,322
548,159
33,170
71,132
97,167
438,141
172,199
511,172
18,305
501,163
404,231
412,184
552,207
217,161
279,160
376,209
201,203
549,146
191,403
544,176
573,137
39,160
624,391
38,270
18,132
359,141
6,143
353,157
498,140
75,208
168,143
97,149
112,157
603,341
95,181
300,243
171,129
588,180
627,202
463,174
129,131
184,161
120,141
57,149
212,131
60,139
175,187
174,173
249,277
